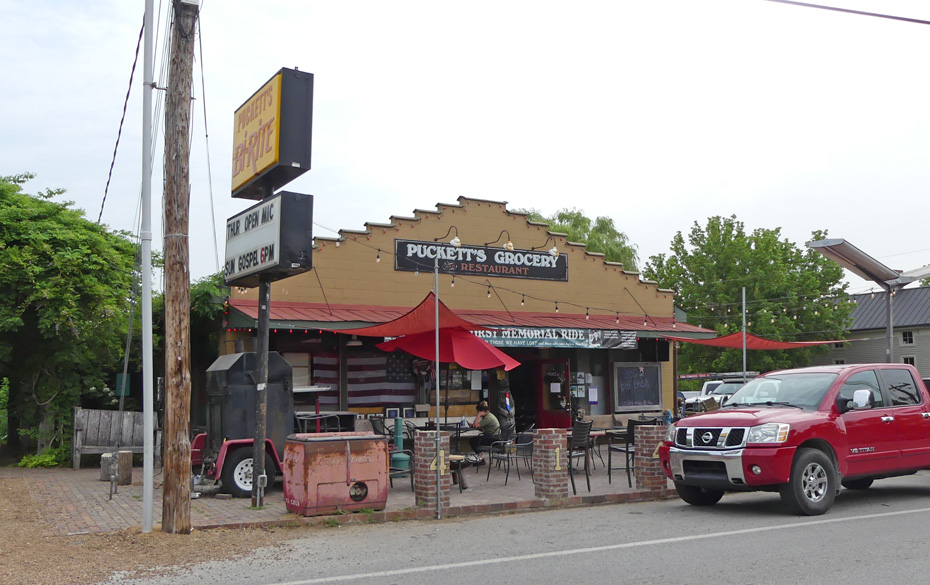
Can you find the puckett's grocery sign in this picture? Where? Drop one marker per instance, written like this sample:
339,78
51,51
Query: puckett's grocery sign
412,256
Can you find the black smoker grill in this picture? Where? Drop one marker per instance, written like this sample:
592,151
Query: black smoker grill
231,386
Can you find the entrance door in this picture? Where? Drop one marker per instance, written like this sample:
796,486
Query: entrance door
553,394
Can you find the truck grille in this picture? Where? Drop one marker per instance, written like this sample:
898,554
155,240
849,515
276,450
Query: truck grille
705,470
711,437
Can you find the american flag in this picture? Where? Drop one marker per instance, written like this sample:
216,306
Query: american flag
375,379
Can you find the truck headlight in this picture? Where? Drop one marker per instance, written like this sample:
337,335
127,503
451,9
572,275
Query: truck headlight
769,433
670,434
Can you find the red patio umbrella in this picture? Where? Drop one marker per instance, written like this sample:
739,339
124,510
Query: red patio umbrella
456,346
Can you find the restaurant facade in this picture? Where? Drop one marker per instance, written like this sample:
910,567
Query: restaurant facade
590,335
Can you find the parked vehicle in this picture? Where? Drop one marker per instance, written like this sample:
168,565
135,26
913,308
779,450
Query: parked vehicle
720,390
804,433
726,389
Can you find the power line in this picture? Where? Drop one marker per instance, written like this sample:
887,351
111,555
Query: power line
119,133
850,11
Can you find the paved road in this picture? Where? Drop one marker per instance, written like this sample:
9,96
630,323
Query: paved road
877,536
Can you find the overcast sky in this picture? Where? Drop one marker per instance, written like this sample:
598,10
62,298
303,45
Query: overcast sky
656,113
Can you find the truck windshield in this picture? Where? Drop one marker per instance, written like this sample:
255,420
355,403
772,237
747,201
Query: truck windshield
805,391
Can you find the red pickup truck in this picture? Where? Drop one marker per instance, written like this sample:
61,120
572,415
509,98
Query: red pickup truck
803,433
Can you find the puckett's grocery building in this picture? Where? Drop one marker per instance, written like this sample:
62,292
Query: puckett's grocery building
588,333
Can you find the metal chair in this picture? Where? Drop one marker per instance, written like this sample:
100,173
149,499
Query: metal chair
621,443
624,443
505,450
379,427
400,471
524,450
579,445
410,431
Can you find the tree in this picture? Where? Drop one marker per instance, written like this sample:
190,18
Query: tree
791,295
599,236
64,301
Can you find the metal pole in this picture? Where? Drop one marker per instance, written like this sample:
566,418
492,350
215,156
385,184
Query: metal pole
438,442
744,334
261,392
146,274
889,329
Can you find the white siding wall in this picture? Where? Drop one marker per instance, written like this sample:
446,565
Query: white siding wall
873,349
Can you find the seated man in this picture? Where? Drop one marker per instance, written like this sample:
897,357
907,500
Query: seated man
489,425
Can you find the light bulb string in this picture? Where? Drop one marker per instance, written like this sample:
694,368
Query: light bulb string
429,266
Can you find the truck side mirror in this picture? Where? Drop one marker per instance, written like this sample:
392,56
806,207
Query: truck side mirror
843,404
862,399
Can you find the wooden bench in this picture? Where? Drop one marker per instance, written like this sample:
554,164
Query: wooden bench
99,431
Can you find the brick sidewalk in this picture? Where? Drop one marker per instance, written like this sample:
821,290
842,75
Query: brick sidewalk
80,503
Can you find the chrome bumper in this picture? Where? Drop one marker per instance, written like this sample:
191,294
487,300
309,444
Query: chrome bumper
732,460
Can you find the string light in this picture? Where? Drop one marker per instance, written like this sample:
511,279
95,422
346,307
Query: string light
523,301
489,291
586,314
618,319
378,257
453,281
557,306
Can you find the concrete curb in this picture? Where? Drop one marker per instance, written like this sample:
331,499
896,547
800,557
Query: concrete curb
534,505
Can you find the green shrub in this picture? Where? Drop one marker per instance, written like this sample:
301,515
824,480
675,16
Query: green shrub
48,458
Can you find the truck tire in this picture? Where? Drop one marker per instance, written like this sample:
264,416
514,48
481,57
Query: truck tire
858,484
698,496
812,487
237,472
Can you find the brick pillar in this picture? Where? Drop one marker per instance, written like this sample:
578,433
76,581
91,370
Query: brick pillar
550,464
649,474
424,478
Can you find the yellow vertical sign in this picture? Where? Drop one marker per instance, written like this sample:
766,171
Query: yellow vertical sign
256,135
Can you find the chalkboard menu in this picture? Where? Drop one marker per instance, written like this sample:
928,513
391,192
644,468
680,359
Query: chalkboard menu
637,386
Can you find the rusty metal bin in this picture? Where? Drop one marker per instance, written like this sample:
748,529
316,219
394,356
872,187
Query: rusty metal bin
331,472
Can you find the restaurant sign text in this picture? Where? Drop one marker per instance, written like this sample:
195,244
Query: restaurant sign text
414,256
559,337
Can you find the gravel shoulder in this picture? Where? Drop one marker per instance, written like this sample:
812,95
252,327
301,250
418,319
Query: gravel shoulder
27,557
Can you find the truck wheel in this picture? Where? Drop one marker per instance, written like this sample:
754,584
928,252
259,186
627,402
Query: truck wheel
698,496
812,487
857,484
237,472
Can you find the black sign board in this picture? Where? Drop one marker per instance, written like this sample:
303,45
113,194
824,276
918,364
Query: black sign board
273,238
637,386
414,256
272,135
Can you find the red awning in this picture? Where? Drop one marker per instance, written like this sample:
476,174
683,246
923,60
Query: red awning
735,341
420,319
455,346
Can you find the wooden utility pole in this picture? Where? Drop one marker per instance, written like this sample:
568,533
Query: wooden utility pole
176,502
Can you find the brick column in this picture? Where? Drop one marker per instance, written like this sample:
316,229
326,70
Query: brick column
424,478
649,474
550,464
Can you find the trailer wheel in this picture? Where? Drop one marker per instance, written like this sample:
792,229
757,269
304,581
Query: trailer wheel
237,472
812,487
